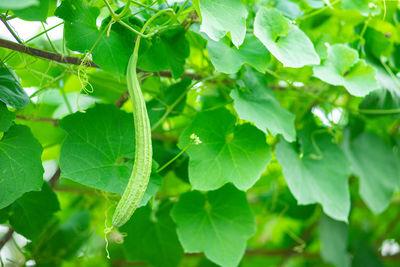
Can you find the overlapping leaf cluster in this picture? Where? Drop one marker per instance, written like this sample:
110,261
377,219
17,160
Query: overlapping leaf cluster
287,114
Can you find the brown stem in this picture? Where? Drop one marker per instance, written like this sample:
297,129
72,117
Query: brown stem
292,251
249,253
122,99
6,237
72,60
387,231
55,178
53,121
44,54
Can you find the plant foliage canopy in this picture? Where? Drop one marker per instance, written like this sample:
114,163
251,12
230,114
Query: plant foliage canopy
275,132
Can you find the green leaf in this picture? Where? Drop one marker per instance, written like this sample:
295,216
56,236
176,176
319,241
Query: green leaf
343,67
222,16
62,241
381,99
388,97
156,107
290,8
99,149
111,52
360,5
21,166
11,92
262,108
333,236
4,214
6,117
377,168
33,211
229,59
153,186
35,12
313,175
228,153
167,51
18,4
284,40
151,237
365,255
217,223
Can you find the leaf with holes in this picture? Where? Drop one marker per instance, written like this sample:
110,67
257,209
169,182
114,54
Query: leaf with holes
229,59
343,67
284,40
260,106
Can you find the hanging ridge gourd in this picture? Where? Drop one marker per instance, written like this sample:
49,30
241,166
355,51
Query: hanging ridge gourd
141,171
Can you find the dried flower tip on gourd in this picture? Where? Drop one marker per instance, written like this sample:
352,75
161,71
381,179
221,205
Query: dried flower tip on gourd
196,140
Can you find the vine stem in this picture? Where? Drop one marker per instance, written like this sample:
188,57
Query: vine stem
13,33
174,158
380,111
74,60
319,11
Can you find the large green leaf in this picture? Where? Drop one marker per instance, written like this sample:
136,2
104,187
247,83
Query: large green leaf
229,59
35,12
222,16
227,153
333,236
33,212
21,166
99,150
6,117
18,4
11,92
313,174
260,106
377,168
343,67
167,51
151,236
217,223
284,40
112,51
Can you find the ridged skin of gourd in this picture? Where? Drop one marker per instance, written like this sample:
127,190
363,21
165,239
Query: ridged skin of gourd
141,171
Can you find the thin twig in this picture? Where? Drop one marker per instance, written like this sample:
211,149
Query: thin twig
53,180
6,237
14,34
50,120
388,230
